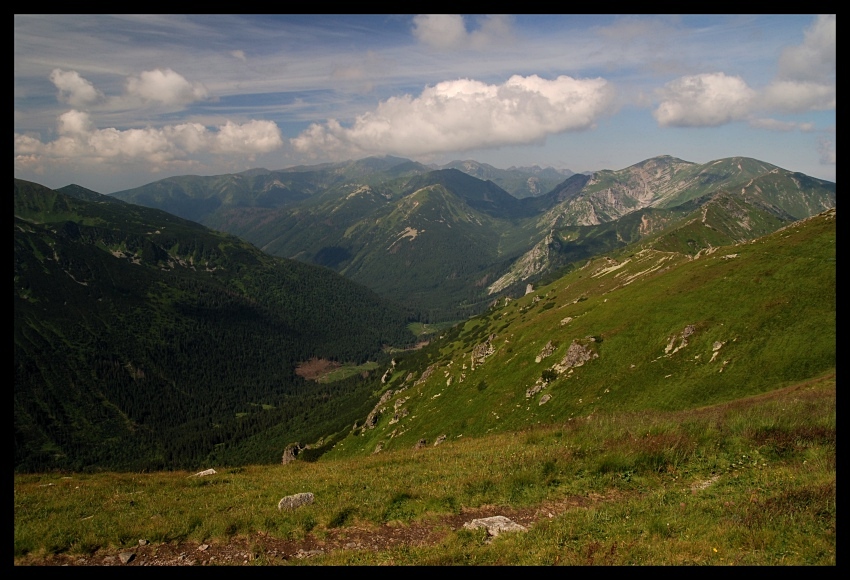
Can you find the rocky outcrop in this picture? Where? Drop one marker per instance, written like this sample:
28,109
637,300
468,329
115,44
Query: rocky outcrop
481,351
576,356
375,413
425,375
439,440
546,351
420,444
205,472
399,415
292,502
291,453
681,339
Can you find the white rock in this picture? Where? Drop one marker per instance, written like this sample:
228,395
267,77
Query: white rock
495,525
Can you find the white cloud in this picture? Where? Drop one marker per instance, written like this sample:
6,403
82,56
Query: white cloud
814,60
466,114
776,125
448,31
74,89
240,54
164,86
80,141
705,100
799,96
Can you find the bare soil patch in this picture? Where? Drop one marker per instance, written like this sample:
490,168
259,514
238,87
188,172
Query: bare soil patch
315,368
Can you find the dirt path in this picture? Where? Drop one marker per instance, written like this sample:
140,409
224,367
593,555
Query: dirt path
269,550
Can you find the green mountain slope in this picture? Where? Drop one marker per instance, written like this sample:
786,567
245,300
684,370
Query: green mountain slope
143,340
520,182
342,216
639,329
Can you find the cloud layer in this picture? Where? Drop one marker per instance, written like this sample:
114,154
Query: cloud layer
806,82
448,32
80,141
466,114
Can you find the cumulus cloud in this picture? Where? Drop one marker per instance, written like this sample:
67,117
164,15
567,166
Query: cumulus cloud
448,31
74,89
164,86
80,140
466,114
814,60
705,100
806,82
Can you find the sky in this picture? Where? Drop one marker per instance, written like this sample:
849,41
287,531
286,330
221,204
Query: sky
115,102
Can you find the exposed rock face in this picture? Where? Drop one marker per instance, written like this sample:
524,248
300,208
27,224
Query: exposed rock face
291,453
495,525
428,372
482,351
291,502
536,388
375,413
399,415
681,338
576,356
546,351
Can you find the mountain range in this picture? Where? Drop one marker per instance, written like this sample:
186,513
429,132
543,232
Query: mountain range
447,242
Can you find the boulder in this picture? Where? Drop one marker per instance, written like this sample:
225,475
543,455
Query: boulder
495,525
292,502
291,453
439,440
205,472
420,444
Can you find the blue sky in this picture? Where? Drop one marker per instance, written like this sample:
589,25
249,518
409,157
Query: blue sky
113,102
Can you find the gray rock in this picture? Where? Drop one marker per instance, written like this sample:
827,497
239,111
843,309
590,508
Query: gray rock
495,525
143,542
291,453
291,502
420,444
576,356
203,547
544,399
126,557
205,472
439,440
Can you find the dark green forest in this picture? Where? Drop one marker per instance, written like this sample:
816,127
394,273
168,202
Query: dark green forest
145,341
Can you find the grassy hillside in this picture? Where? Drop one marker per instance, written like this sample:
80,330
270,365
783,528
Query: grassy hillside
745,483
699,428
653,330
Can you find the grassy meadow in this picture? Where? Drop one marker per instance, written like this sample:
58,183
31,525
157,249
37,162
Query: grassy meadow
750,482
